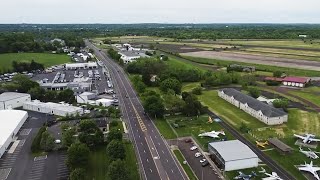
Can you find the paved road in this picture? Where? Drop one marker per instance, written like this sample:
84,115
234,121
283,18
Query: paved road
263,157
154,155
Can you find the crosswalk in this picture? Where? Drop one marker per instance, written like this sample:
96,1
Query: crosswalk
37,168
63,172
8,159
24,132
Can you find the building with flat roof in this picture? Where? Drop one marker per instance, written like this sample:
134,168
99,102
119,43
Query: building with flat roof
88,65
59,109
260,110
10,123
11,100
232,155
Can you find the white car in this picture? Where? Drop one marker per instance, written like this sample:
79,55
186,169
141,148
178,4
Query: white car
193,148
203,160
197,154
57,141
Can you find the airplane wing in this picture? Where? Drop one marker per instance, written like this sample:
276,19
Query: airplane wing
316,168
269,178
304,169
298,136
314,139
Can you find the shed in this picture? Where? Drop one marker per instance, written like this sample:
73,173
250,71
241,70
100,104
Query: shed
280,145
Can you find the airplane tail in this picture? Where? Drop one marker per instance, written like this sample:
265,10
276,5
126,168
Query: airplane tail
253,173
262,170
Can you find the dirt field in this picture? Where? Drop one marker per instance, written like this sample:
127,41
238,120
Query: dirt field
255,59
177,48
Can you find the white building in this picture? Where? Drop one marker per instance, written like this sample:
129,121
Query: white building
11,100
129,56
52,108
88,65
84,97
233,155
10,123
295,81
104,102
262,111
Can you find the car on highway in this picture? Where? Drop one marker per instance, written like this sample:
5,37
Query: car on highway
193,148
197,154
206,163
202,160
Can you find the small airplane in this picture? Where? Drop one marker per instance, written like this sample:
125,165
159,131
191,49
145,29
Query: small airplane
310,168
213,134
272,176
245,176
310,153
262,144
307,138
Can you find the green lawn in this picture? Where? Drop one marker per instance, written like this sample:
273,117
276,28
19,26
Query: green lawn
189,86
275,43
99,162
44,58
308,94
227,111
186,167
165,129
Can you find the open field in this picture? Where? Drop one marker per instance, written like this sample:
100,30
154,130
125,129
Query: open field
132,39
255,59
186,167
286,51
198,45
44,58
259,67
311,94
273,43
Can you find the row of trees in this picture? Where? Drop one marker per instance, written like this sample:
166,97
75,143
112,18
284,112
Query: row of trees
26,66
116,56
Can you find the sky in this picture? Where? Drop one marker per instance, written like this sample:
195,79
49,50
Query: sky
159,11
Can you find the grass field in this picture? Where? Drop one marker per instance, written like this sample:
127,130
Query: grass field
198,45
259,67
275,43
311,94
99,162
43,58
186,167
189,86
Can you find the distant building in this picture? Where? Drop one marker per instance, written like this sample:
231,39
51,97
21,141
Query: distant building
263,112
11,100
232,155
295,81
85,97
88,65
129,56
58,109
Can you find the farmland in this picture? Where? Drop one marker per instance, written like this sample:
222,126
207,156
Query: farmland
46,59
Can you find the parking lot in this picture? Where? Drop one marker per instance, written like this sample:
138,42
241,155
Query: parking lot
19,164
204,173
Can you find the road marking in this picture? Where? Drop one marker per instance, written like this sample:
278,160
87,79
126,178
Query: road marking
171,170
162,151
167,160
147,160
144,151
25,132
4,173
150,170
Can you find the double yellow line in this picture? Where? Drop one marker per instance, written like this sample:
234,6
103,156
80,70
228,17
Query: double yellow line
142,125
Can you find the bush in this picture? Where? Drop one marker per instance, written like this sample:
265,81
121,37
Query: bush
254,92
197,91
35,146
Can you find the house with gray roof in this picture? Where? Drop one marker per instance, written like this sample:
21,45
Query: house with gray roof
263,112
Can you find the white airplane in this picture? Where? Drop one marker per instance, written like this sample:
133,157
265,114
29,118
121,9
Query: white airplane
309,154
272,176
245,176
307,138
310,168
213,134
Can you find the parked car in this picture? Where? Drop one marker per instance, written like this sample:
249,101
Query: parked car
197,154
206,163
193,148
202,160
57,141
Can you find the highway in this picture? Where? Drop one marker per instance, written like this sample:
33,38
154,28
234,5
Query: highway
263,157
154,156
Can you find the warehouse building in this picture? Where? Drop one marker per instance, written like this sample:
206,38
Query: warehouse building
11,100
88,65
295,81
10,123
104,102
59,109
85,97
262,111
232,155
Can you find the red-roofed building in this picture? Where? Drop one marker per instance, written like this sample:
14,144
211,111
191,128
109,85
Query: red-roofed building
295,81
273,79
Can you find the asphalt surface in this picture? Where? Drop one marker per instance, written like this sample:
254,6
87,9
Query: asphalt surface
263,157
155,158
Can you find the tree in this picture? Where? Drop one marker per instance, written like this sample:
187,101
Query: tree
277,74
197,90
68,137
173,103
47,141
114,134
281,103
117,170
154,105
24,83
192,106
254,92
50,96
37,93
66,95
78,156
78,174
116,150
171,83
90,134
35,146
